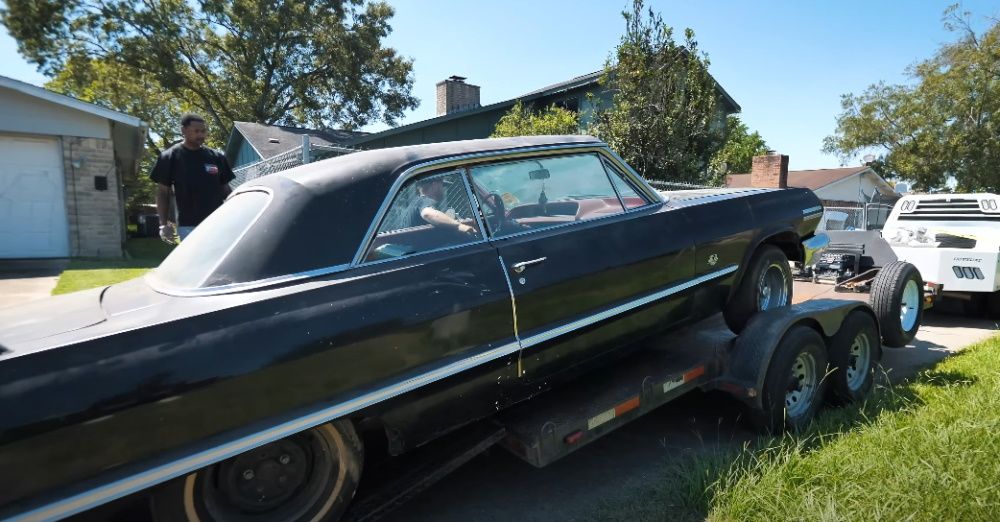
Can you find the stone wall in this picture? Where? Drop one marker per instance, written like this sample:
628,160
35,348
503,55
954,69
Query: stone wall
95,216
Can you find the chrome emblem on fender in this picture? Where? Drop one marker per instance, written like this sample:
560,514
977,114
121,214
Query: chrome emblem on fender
713,259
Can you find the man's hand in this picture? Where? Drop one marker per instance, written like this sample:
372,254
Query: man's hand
168,233
466,229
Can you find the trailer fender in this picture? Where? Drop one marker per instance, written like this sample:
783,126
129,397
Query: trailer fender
750,356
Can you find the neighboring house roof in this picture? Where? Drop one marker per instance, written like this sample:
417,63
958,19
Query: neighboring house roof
810,179
70,102
271,140
568,85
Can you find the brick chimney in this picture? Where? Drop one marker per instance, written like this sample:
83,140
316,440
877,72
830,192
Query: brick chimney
454,95
770,171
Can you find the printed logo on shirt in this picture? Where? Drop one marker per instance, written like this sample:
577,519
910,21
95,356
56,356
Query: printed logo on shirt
211,169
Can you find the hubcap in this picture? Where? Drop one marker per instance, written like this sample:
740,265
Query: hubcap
772,289
264,478
859,361
908,304
801,385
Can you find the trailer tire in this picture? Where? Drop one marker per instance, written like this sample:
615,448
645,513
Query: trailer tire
897,296
766,285
795,382
308,476
855,351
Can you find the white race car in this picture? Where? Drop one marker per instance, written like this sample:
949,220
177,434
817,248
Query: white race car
952,239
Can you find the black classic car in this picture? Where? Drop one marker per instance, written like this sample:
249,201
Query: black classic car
404,291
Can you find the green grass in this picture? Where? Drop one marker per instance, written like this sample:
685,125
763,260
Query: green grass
81,274
928,449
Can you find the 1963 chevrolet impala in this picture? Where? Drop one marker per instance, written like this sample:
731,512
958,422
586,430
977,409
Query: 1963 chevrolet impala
408,290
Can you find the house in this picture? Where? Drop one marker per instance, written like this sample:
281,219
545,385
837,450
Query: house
249,142
863,196
461,117
62,162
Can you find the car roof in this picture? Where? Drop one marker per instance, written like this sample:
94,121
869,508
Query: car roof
320,212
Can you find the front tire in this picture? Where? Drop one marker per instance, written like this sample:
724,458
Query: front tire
766,285
897,296
310,476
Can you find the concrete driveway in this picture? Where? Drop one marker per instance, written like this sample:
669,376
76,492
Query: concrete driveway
26,280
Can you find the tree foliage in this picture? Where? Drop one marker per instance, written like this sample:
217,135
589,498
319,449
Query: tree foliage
736,154
520,120
308,62
945,124
664,119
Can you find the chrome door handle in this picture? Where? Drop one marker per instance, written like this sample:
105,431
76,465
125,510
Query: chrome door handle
519,267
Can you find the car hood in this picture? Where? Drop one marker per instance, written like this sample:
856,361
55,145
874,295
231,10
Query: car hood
51,316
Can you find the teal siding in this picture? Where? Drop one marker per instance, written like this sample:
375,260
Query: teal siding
245,155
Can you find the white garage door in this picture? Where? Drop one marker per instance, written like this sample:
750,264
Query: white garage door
32,199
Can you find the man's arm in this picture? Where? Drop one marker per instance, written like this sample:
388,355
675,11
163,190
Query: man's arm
163,194
440,219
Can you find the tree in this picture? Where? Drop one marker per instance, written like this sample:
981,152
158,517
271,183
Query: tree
312,62
522,121
736,154
664,118
943,126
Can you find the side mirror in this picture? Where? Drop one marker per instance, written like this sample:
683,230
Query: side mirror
539,174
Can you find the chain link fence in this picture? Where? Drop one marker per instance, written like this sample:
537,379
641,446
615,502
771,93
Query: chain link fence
288,159
871,216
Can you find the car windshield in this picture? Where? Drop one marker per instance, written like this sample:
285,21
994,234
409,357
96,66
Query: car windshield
194,260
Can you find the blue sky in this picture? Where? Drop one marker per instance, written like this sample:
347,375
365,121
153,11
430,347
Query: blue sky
785,62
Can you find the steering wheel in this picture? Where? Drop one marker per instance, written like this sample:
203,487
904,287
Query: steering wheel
498,220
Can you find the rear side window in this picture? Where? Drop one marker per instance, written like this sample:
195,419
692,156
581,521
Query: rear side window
429,213
194,260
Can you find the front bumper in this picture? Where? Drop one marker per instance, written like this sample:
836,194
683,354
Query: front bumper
812,247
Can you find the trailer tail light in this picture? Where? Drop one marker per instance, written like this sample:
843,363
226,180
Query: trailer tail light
574,437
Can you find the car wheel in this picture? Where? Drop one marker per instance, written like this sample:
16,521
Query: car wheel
794,385
309,476
855,351
897,296
766,285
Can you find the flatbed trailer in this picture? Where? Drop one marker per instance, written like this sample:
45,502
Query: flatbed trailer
767,368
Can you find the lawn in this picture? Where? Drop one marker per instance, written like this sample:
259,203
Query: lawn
928,449
81,274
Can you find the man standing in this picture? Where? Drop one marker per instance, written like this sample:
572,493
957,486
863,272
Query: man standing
198,176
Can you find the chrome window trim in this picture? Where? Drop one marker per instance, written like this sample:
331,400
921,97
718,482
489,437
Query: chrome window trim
640,182
146,479
812,210
457,161
649,203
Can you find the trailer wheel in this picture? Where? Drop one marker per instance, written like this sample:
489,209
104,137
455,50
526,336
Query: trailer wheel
309,476
794,385
766,285
897,296
855,351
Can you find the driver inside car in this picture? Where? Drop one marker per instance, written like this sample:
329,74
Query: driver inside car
423,209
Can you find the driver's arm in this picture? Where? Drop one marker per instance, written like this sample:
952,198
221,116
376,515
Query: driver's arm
440,219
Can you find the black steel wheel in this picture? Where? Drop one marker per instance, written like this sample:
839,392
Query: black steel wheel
855,353
310,476
794,386
897,296
766,285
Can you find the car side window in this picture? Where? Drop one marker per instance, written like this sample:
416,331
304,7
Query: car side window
538,193
428,213
630,196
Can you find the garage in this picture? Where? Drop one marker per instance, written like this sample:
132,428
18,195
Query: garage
62,166
33,220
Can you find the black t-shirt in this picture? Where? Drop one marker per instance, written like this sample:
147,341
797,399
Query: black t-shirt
197,177
421,202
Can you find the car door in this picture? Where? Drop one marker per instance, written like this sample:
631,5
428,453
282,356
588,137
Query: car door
586,274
